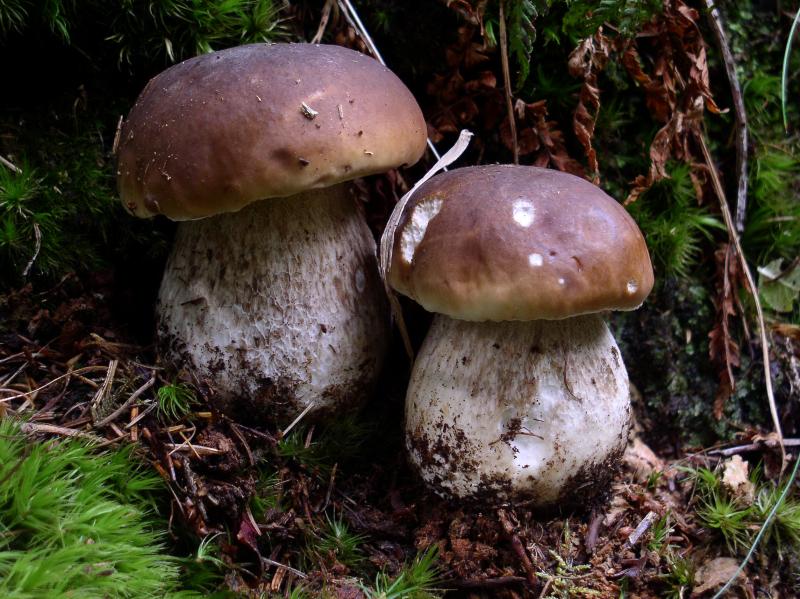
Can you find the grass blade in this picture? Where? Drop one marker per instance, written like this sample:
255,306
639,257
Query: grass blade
785,75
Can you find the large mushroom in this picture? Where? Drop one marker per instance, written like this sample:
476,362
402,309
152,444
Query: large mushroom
519,389
271,292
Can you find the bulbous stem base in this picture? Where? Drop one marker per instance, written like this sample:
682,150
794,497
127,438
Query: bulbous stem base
512,410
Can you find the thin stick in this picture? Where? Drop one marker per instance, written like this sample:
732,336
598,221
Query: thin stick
33,427
10,165
785,70
354,20
198,450
296,420
519,548
55,380
37,232
323,22
482,583
646,523
105,388
764,527
512,121
718,27
279,565
387,238
729,451
128,403
546,588
762,329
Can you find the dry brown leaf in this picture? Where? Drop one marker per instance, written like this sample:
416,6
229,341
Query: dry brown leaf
676,88
586,62
641,460
735,477
723,350
713,574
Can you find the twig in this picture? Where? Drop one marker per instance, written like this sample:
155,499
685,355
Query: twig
762,329
294,571
55,380
518,547
354,20
10,165
105,388
141,416
250,457
128,403
37,232
718,27
331,482
785,70
729,451
546,587
507,81
33,427
594,532
257,433
14,374
764,527
323,21
387,238
297,420
196,449
646,523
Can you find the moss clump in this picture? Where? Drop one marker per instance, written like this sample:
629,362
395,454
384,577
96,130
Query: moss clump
77,524
61,213
139,32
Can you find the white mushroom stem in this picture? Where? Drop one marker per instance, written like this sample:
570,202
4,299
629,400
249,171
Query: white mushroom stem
279,304
517,409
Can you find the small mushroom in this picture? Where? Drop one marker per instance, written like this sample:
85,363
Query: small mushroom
271,293
519,390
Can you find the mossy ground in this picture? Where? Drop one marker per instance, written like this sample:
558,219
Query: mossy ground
337,505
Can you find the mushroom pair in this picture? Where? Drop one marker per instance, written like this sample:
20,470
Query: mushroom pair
271,292
519,389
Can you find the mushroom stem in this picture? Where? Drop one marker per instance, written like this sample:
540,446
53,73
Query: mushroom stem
278,306
517,409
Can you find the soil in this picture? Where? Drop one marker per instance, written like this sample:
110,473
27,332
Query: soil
485,550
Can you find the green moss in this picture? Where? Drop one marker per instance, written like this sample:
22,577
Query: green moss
144,32
77,524
665,346
673,224
63,208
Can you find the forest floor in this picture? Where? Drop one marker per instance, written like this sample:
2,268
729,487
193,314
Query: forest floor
284,510
634,96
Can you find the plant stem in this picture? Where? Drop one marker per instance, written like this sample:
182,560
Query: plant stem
507,81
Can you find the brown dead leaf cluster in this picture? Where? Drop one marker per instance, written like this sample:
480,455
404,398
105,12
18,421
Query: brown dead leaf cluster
723,348
539,138
466,95
676,86
586,62
466,90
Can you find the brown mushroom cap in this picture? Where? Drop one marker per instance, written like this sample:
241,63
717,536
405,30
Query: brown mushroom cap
224,129
518,243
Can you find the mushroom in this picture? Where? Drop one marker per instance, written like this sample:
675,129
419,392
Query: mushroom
275,301
519,390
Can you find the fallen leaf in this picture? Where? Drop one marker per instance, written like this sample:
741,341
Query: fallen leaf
735,477
713,574
641,460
